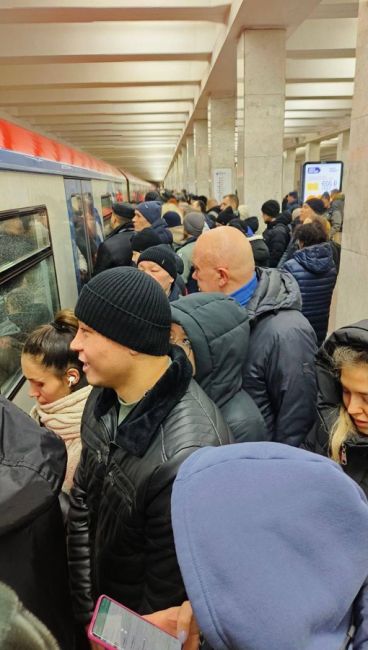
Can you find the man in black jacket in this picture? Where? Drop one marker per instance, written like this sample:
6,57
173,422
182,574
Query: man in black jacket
145,416
279,371
277,233
116,249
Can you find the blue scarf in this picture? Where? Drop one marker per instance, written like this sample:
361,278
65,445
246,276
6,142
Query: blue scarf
245,293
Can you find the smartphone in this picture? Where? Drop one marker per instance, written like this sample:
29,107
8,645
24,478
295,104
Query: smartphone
116,627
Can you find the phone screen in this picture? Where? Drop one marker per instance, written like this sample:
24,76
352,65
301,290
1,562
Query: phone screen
124,630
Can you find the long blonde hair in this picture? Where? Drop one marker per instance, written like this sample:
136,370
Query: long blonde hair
344,426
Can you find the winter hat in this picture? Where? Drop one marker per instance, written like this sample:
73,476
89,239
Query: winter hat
243,211
225,216
161,255
193,223
288,559
252,223
316,205
151,210
152,196
123,210
271,208
172,219
129,307
144,239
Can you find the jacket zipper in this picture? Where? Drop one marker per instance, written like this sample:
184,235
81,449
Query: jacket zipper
343,455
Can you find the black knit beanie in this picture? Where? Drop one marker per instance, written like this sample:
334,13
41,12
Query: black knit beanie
144,239
271,208
317,206
129,307
161,255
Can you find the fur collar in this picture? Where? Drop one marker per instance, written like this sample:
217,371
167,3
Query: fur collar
137,431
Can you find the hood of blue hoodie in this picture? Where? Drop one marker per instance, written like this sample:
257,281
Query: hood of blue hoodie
317,259
218,329
271,543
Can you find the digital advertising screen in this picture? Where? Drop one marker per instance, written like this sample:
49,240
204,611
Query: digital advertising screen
319,177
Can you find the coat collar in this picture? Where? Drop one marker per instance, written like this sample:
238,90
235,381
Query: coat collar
137,431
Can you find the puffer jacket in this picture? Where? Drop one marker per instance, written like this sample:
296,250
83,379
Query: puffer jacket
120,534
260,250
218,330
32,537
277,237
329,402
279,372
161,229
116,250
315,272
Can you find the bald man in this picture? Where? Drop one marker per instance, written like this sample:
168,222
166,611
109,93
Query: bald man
279,370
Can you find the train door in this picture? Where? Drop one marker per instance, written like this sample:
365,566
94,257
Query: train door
85,227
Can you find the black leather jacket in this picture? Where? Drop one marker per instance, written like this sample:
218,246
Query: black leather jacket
120,534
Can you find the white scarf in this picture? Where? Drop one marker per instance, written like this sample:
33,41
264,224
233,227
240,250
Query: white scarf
64,418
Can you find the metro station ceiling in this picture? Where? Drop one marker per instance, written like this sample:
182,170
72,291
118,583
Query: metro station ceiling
124,79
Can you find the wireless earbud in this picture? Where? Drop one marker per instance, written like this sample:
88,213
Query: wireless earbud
71,381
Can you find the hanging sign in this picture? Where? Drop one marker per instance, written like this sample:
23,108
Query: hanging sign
222,183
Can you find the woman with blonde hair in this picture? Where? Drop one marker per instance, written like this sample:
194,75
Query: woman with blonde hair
57,383
341,430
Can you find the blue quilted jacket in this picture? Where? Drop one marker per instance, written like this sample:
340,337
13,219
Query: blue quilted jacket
315,272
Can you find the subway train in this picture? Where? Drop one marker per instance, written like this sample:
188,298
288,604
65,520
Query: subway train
55,208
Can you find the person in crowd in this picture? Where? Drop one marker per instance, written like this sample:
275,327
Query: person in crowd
277,233
314,269
199,205
336,214
116,249
32,538
143,418
211,328
232,201
312,210
14,241
57,383
148,215
152,195
275,504
341,429
279,369
225,216
193,226
142,240
325,198
174,222
161,263
292,202
243,212
260,250
171,205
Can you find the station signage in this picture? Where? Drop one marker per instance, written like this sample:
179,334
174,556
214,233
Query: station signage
319,177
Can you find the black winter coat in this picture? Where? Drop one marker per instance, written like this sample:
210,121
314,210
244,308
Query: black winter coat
32,537
219,338
260,250
279,373
116,250
120,534
277,237
161,229
315,272
330,400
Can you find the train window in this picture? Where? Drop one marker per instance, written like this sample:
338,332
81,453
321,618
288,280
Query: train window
106,205
21,235
28,289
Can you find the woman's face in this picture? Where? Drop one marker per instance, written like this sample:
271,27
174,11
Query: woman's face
354,381
179,337
45,385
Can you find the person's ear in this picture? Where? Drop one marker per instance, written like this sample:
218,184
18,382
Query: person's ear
72,377
223,277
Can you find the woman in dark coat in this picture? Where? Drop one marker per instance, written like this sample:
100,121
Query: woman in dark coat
341,431
314,270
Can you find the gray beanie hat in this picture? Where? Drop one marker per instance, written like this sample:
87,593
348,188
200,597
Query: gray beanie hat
193,223
129,307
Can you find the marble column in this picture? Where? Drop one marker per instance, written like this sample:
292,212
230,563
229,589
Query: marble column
190,164
342,153
352,297
260,111
221,145
180,171
201,159
185,167
312,152
288,180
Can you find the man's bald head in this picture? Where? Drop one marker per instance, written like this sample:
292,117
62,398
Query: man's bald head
223,260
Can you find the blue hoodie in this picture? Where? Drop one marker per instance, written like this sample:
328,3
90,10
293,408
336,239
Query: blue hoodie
272,545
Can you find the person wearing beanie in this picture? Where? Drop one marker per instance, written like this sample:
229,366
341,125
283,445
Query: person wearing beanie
260,250
277,233
116,249
194,222
161,263
287,568
148,215
313,209
144,416
225,216
142,240
174,222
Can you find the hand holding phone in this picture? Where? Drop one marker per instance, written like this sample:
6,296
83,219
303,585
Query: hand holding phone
116,627
180,622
